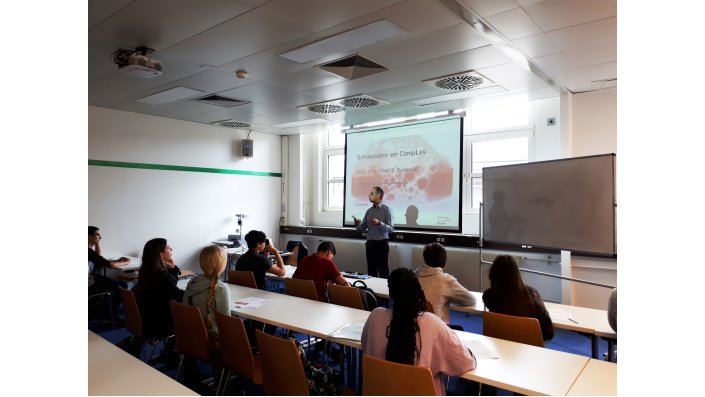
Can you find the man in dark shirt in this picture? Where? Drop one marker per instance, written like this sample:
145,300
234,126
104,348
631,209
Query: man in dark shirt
320,268
97,281
255,260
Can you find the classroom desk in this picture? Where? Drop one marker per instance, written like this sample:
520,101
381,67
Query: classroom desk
112,371
586,320
134,263
605,331
598,378
307,316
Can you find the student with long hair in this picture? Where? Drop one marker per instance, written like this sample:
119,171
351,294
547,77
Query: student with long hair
206,291
407,334
156,287
509,295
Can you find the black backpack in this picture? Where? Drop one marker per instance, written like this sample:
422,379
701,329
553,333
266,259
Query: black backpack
369,299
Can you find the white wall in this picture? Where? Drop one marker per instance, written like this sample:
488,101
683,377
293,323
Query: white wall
189,209
593,130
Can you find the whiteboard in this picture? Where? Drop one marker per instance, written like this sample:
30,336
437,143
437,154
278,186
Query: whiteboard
566,204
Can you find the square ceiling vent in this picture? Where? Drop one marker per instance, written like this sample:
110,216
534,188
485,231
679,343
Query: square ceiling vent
353,67
219,100
464,81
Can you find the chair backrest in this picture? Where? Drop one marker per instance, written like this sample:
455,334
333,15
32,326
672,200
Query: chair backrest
301,288
242,278
190,331
369,299
525,330
133,321
345,296
429,307
282,371
235,352
292,259
385,378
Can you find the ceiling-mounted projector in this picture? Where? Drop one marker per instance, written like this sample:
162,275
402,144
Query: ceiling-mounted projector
141,66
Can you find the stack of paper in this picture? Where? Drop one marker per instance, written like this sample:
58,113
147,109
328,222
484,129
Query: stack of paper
352,331
249,303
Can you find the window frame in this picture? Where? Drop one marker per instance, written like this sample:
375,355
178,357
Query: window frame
329,151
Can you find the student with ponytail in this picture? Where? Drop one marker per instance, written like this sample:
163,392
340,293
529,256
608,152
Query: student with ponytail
206,290
407,334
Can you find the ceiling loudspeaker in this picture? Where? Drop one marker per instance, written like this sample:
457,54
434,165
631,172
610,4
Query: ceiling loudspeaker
247,148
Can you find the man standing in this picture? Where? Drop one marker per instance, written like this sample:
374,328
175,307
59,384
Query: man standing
378,223
320,268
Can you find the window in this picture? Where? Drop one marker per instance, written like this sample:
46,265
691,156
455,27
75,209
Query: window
490,153
334,170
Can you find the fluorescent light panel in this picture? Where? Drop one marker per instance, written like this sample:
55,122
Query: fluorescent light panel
302,123
359,37
170,95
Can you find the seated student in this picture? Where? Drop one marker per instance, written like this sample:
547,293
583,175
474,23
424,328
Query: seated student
97,281
407,334
509,295
320,268
440,288
612,310
156,287
255,260
206,290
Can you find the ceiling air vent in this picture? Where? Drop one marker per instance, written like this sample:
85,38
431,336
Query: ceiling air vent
600,84
232,124
219,100
325,108
361,101
461,81
353,67
340,105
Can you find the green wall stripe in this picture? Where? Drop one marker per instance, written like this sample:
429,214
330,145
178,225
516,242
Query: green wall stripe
165,167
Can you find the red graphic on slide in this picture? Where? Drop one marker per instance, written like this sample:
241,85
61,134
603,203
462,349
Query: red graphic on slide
408,169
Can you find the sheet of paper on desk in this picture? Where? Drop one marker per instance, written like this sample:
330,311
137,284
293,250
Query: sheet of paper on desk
249,303
479,349
352,331
559,314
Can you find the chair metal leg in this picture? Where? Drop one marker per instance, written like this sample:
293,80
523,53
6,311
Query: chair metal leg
178,371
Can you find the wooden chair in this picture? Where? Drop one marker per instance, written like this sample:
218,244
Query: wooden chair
386,378
133,322
301,288
293,259
345,296
429,307
242,278
282,371
191,334
98,301
236,354
525,330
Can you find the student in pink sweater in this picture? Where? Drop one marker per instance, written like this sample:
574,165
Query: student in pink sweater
408,334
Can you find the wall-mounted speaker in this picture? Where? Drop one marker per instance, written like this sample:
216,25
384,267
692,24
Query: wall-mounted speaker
248,148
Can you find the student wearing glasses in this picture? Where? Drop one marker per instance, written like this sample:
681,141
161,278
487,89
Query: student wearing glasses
98,282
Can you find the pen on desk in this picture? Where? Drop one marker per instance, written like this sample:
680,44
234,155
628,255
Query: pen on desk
573,320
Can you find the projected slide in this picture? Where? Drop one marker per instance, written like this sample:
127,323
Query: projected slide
417,165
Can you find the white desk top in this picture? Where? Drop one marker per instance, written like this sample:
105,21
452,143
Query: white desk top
598,378
112,371
297,314
604,329
134,264
524,368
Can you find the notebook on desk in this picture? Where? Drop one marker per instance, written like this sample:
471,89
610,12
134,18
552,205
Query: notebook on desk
357,275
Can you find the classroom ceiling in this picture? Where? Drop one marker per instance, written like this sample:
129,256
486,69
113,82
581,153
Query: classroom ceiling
521,49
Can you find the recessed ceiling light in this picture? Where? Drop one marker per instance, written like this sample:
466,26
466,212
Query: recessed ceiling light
356,38
170,95
301,123
458,95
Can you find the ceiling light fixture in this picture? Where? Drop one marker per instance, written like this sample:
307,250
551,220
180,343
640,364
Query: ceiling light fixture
356,38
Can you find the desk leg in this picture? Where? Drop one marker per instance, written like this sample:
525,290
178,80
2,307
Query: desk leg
595,353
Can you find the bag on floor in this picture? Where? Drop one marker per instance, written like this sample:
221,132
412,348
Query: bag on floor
322,379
